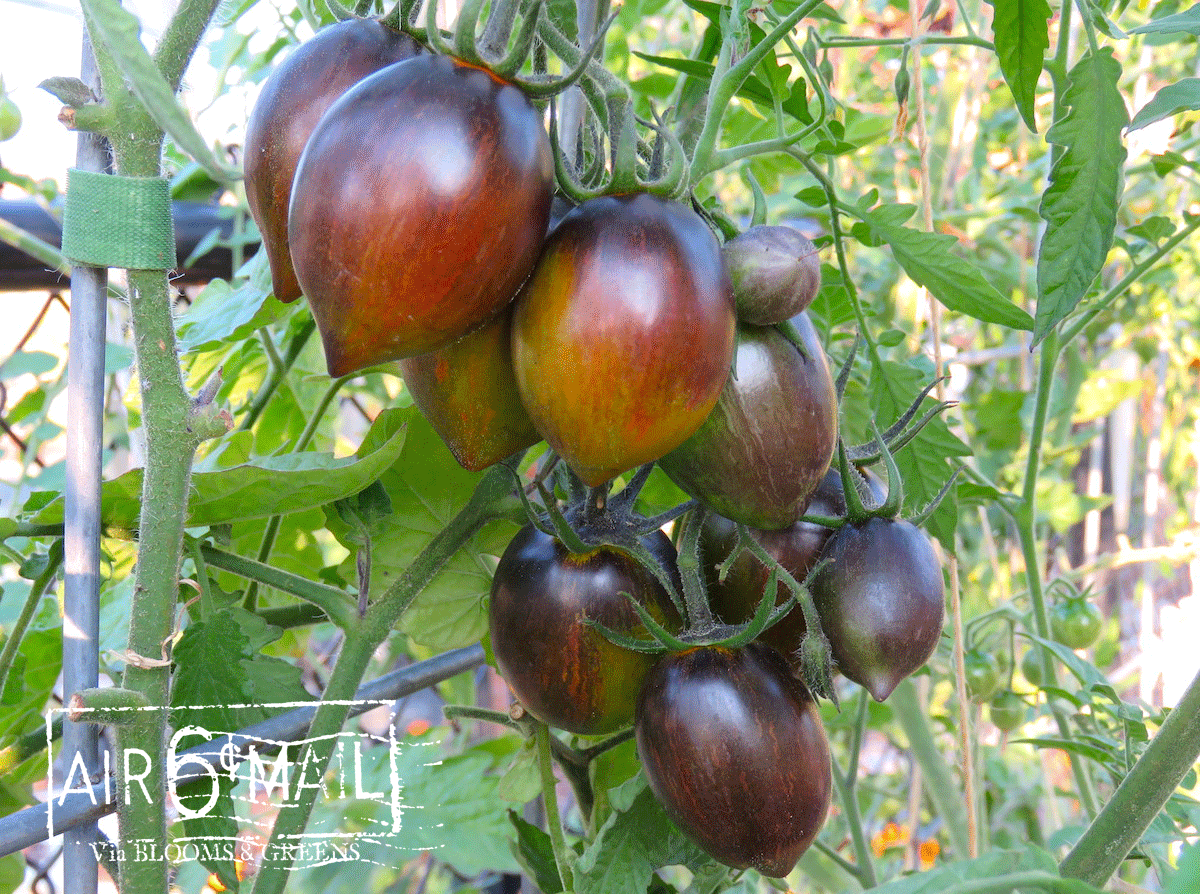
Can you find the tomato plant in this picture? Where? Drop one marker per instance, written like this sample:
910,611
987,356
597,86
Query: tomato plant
418,208
623,335
734,749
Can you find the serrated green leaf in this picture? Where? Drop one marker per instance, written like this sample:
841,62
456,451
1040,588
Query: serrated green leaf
1182,96
30,683
535,852
522,781
636,840
427,488
1021,38
1080,203
261,487
1187,22
929,262
223,313
220,822
222,679
120,32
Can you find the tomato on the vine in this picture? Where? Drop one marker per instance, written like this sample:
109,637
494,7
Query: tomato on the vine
1007,710
1076,622
1031,667
734,750
418,209
763,449
880,596
291,103
623,334
561,669
982,674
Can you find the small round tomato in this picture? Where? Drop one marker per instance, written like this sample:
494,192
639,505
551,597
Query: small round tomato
775,273
982,673
881,599
418,209
760,454
1076,622
734,750
623,334
1007,710
292,101
1031,667
468,393
561,669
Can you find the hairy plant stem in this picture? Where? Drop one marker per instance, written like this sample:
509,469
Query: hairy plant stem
171,438
363,637
939,783
28,610
550,802
1141,794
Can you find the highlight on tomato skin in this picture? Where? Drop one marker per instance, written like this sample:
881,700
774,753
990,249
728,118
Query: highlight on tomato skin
419,207
563,671
623,335
295,96
733,748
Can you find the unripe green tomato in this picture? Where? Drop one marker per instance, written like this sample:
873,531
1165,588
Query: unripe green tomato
1076,622
1031,667
10,119
982,675
1007,710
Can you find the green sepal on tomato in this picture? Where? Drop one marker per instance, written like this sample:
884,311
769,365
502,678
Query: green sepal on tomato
563,670
299,91
468,393
760,454
419,207
733,748
623,334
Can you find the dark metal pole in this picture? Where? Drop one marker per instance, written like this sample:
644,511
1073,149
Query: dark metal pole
85,413
29,826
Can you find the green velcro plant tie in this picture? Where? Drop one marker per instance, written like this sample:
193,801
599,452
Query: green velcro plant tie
113,221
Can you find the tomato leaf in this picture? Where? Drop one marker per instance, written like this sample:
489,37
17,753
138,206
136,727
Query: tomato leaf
535,852
258,487
929,262
995,865
1080,204
120,31
1182,96
1021,37
637,839
427,487
224,313
1186,22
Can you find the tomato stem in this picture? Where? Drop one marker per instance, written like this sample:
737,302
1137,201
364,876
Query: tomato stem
846,786
550,802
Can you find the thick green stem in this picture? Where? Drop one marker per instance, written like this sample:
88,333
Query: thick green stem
846,786
1026,520
943,791
28,610
278,374
550,801
1140,796
362,639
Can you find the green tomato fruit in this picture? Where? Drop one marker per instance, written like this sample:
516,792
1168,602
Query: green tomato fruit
983,675
1076,622
1007,710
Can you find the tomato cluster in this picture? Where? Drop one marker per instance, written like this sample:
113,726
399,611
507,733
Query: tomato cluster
408,197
